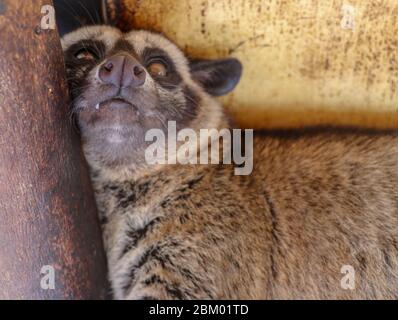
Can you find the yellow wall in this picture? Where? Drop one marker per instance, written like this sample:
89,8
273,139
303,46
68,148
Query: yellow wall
306,62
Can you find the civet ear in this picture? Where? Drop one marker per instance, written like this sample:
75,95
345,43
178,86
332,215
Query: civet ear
217,77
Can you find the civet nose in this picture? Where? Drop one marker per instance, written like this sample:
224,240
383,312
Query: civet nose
122,71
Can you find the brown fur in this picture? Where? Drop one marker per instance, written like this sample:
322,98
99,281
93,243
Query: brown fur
315,202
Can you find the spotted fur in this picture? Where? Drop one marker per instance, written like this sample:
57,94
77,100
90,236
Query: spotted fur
316,201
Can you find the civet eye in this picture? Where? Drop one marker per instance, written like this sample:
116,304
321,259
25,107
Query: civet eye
85,54
157,69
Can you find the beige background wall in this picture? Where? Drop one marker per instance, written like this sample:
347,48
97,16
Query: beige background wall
306,62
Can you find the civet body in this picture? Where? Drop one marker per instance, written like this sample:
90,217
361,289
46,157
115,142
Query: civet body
316,218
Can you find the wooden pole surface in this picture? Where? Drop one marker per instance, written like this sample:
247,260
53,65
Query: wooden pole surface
48,221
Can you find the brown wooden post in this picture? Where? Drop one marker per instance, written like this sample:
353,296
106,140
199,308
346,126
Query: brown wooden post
47,212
